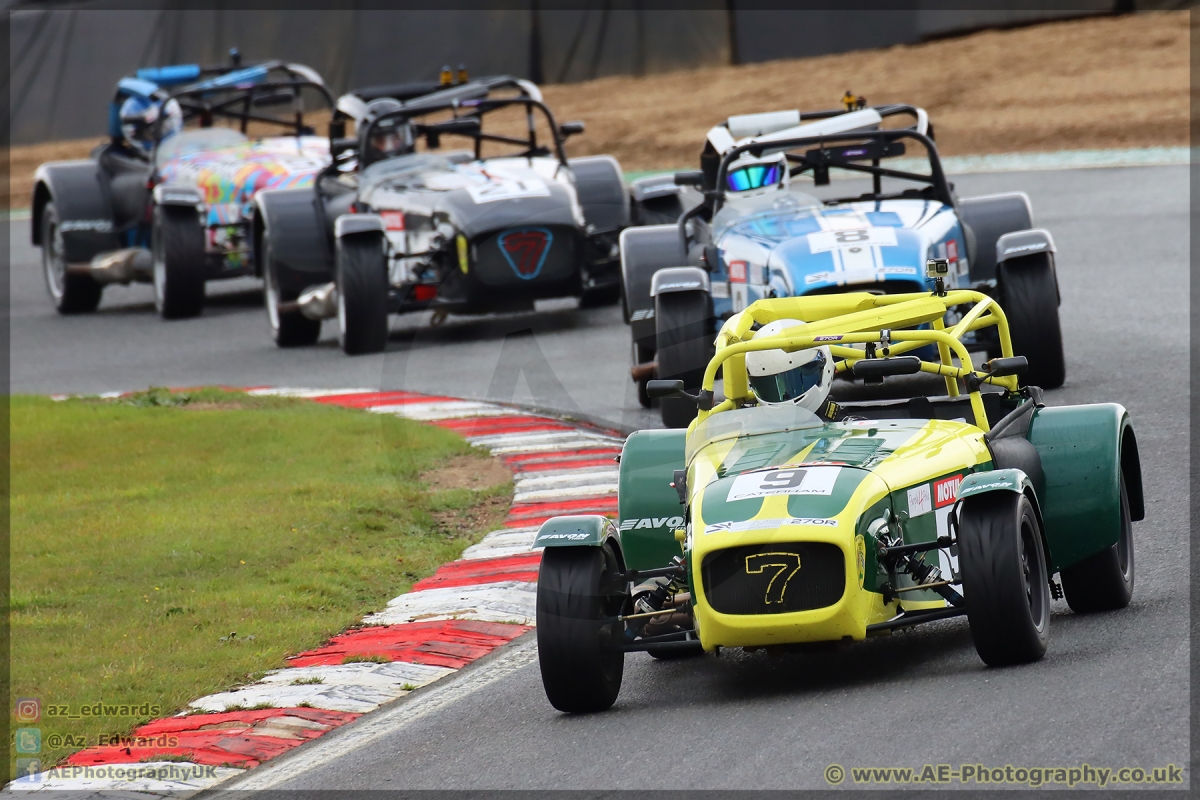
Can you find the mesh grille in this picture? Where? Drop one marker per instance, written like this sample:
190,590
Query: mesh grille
774,578
526,255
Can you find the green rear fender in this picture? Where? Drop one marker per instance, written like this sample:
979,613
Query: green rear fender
1084,451
648,507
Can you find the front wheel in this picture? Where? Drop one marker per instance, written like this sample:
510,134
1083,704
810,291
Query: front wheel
290,328
1104,581
72,294
179,262
683,347
1004,578
573,595
362,294
1029,297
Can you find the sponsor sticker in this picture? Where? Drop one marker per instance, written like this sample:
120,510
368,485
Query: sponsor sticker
737,271
573,537
952,250
641,314
837,338
945,491
720,289
768,524
789,481
98,225
525,250
860,557
756,274
824,241
919,501
507,190
651,522
393,220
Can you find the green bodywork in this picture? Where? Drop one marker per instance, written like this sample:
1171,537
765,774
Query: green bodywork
648,507
1084,452
578,530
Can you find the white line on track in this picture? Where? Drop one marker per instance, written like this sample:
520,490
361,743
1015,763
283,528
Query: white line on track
343,742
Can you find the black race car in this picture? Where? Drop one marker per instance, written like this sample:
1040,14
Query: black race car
390,227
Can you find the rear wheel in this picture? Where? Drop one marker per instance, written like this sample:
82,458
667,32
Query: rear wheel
1104,581
362,294
72,294
288,329
684,346
179,262
1004,578
573,595
1029,297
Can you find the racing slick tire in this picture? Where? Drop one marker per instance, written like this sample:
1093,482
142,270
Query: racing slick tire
72,294
1029,297
179,262
362,294
1104,581
1004,578
289,328
602,296
684,346
578,673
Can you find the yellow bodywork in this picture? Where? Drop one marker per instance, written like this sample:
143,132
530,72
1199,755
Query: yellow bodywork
920,451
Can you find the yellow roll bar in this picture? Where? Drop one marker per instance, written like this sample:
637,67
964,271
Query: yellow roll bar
891,322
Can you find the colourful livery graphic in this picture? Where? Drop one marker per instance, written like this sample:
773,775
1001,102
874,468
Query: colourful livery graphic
229,178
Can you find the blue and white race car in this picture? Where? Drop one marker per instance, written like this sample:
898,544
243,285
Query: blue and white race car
788,204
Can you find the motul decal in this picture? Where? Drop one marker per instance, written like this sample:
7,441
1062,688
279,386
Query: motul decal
525,250
952,250
945,491
393,220
737,271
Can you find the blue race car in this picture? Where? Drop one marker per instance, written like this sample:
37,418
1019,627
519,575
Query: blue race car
169,198
788,204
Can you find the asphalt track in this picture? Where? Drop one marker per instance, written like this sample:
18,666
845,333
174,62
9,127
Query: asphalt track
1112,691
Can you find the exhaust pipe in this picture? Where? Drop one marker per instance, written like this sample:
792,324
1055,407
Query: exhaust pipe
315,302
120,266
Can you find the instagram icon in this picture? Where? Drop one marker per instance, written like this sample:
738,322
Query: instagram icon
28,709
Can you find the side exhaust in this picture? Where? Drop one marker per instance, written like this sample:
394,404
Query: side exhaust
315,302
120,266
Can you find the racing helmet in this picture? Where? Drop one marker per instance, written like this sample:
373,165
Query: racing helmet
749,176
141,123
803,377
390,137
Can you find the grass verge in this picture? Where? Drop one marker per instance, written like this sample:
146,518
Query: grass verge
168,546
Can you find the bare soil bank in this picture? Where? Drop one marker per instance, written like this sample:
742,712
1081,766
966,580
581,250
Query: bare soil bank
1106,82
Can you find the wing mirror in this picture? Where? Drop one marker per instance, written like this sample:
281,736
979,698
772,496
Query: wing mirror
660,389
1003,367
880,367
570,128
695,178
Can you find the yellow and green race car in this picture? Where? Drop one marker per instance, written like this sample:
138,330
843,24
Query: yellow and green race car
768,526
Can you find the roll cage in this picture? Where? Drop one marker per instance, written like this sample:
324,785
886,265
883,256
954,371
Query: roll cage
474,99
855,147
887,326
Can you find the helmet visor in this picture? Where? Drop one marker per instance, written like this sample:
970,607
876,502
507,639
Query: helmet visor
754,176
789,385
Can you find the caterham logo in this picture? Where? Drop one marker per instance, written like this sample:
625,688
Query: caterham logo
785,566
525,250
